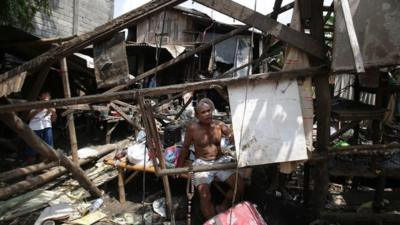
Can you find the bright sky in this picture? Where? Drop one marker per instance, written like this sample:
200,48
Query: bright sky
263,6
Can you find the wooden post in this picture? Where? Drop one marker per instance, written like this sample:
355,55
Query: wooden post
323,111
121,186
154,143
70,117
23,131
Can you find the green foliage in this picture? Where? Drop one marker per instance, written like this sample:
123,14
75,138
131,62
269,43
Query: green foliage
21,12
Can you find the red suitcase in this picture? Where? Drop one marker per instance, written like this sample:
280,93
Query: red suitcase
243,213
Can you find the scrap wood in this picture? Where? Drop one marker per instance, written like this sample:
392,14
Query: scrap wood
23,171
68,191
23,131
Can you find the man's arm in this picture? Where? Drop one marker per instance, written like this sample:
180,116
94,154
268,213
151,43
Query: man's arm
185,147
226,131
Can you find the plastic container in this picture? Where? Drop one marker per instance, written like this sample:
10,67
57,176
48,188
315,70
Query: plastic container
96,204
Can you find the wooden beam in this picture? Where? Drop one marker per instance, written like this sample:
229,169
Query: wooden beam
19,172
178,59
351,31
322,112
99,33
361,148
297,39
40,42
25,133
134,94
126,117
153,142
360,218
70,117
221,166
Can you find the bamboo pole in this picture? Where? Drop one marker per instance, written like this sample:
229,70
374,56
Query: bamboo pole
23,131
54,173
19,172
70,117
157,147
121,186
134,94
221,166
127,166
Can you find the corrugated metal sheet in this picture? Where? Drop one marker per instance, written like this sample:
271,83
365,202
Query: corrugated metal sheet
378,32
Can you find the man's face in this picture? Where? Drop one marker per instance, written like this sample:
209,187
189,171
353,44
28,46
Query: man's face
204,114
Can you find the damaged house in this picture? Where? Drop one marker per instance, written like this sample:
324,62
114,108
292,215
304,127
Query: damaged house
312,105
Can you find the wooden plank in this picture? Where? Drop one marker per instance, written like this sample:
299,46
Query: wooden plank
25,133
134,94
70,117
99,33
297,39
355,47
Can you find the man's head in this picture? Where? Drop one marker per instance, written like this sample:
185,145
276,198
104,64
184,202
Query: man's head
45,96
204,110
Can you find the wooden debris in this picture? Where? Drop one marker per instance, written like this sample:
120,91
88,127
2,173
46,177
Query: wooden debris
16,124
54,173
133,94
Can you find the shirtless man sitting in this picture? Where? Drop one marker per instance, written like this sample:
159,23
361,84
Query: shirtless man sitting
206,136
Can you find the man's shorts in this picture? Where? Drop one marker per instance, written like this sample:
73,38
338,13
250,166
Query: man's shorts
207,177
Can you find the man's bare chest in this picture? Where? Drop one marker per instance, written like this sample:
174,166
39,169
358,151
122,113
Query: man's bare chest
208,136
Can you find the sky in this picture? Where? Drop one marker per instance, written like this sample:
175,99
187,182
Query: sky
263,6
